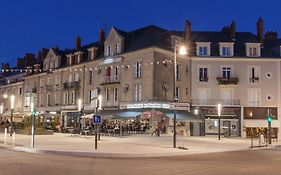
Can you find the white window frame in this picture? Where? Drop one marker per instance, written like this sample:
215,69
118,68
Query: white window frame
203,44
231,70
257,74
138,69
48,99
178,94
107,94
138,92
115,94
208,73
226,45
250,49
252,103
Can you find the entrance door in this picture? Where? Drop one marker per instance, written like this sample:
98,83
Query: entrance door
227,128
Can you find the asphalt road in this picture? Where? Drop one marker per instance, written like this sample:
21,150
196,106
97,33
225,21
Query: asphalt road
243,162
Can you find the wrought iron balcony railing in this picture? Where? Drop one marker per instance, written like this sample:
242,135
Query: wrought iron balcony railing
110,79
232,102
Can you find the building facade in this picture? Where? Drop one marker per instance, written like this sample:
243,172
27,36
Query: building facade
133,72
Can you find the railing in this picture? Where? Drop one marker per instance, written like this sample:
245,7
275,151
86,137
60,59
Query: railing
203,79
254,80
233,102
110,79
71,85
227,81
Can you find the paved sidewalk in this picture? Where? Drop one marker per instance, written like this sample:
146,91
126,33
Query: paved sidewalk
129,146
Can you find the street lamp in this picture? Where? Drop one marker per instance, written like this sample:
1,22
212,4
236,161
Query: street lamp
79,102
12,113
219,118
33,124
182,51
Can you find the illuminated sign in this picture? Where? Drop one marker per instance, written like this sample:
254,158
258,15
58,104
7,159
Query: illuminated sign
148,105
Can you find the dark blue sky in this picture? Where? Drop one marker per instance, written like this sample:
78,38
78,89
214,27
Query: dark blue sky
28,25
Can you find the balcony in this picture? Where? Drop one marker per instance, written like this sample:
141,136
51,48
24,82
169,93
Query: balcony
227,81
49,87
71,85
213,102
254,80
110,79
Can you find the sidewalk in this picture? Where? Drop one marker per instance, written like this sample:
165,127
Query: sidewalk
129,146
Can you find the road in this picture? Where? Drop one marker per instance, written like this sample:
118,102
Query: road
241,162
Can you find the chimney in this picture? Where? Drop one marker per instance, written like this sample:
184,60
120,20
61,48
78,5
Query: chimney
232,28
260,30
187,31
20,63
101,36
271,36
29,59
78,42
5,66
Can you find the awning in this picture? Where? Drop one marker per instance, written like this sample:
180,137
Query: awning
127,113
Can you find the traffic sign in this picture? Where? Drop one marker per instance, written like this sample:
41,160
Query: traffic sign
96,119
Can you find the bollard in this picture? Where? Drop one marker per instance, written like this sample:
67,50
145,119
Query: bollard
5,136
252,142
14,138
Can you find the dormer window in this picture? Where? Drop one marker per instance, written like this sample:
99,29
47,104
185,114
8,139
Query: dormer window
226,49
203,48
253,49
78,57
92,53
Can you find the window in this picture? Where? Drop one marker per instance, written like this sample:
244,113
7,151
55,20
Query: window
203,51
116,49
252,51
90,77
226,96
203,74
57,80
177,93
253,97
70,78
203,96
49,81
41,100
138,92
41,83
226,51
56,99
226,72
20,91
138,71
254,74
108,50
178,72
115,95
107,95
72,97
48,99
76,77
65,98
116,73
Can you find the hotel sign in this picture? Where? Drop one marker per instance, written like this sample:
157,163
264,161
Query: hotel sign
148,105
155,105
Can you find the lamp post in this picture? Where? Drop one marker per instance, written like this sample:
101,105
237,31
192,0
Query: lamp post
12,113
79,102
32,110
219,118
182,51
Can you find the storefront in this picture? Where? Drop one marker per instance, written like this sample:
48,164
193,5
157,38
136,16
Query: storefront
230,121
255,121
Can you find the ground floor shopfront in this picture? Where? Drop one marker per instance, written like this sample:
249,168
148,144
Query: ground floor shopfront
228,124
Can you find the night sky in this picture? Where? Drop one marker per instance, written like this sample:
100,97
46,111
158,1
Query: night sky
28,25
